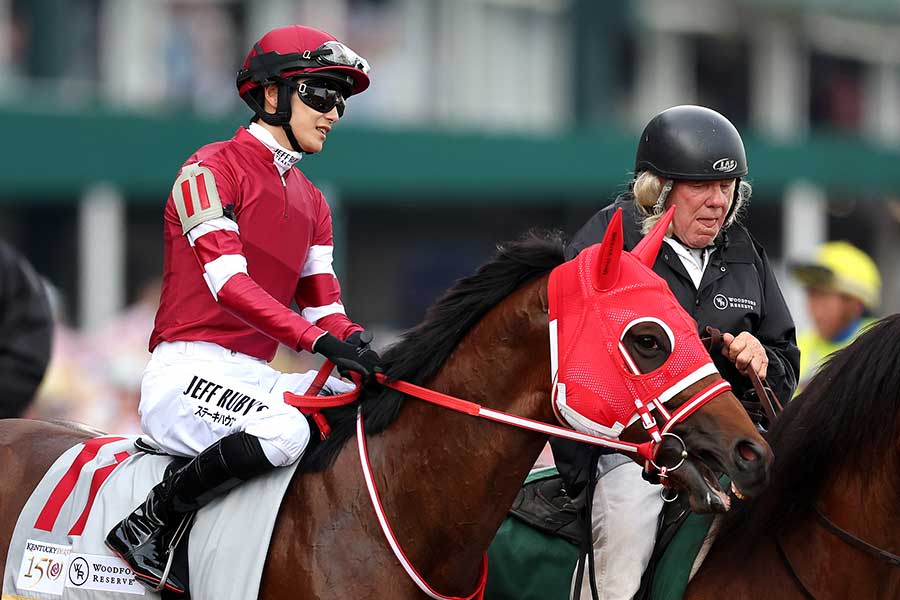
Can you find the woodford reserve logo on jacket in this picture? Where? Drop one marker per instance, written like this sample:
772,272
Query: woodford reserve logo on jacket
721,301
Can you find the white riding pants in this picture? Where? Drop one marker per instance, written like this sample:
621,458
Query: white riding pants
624,516
195,393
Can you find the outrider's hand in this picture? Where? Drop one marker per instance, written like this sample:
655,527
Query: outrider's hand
746,352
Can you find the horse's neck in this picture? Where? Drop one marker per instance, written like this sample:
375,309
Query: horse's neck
459,473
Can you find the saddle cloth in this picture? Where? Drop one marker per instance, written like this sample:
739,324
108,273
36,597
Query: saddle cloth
57,550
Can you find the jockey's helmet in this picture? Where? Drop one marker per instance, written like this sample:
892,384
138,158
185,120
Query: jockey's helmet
844,268
691,143
291,52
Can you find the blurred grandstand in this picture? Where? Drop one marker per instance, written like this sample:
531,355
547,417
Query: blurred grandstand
485,118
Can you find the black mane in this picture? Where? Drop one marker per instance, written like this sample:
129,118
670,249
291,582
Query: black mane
423,349
847,416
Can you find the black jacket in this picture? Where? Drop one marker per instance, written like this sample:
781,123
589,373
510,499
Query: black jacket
26,329
738,293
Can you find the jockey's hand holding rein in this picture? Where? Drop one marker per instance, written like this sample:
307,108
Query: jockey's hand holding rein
351,356
746,352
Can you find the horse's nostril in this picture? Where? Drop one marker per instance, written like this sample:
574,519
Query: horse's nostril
748,452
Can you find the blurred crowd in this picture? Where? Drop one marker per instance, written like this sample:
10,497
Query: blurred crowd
94,376
190,48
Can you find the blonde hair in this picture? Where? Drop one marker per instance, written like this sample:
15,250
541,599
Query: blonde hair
651,192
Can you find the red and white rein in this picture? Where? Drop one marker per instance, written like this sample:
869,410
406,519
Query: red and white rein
312,404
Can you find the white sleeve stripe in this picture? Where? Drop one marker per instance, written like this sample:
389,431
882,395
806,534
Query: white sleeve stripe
217,272
217,224
212,289
318,261
314,313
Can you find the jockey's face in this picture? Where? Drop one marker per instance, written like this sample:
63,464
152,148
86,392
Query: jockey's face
700,210
309,126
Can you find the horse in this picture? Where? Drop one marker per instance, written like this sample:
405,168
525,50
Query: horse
447,479
827,526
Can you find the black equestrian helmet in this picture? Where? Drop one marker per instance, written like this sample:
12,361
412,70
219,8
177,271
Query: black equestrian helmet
693,143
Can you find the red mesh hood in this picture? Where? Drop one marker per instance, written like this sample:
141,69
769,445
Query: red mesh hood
594,299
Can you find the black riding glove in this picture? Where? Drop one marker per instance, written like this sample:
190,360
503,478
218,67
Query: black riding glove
360,338
352,356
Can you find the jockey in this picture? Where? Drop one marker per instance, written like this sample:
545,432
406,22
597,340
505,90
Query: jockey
246,233
693,158
843,287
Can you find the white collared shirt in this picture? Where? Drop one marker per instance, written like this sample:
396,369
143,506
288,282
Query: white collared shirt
694,260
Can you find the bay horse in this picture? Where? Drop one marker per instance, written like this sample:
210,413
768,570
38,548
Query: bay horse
837,448
447,479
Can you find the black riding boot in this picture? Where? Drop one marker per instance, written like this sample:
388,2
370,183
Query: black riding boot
144,537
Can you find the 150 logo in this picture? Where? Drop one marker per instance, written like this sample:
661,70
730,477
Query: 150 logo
42,566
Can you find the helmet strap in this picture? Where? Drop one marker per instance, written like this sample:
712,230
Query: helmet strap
734,203
282,114
291,139
660,206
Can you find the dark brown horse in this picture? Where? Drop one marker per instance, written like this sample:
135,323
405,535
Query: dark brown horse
447,480
837,449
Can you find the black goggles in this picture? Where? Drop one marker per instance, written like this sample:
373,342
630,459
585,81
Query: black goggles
321,95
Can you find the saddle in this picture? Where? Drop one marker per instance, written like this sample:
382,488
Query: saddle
545,505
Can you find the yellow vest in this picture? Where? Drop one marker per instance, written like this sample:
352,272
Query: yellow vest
814,350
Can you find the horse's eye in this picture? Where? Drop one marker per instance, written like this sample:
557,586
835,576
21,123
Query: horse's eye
647,342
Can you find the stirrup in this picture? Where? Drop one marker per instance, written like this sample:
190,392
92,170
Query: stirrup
182,528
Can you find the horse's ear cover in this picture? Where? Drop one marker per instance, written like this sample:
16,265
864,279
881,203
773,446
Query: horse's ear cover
648,248
607,272
593,300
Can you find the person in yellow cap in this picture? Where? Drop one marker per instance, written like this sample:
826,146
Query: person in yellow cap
843,289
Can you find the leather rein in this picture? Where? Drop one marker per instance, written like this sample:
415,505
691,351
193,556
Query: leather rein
843,535
767,398
860,544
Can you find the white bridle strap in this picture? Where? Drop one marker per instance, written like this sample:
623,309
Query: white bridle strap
692,405
476,410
